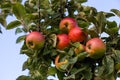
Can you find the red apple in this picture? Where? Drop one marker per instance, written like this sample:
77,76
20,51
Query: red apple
96,48
67,24
76,34
35,40
63,41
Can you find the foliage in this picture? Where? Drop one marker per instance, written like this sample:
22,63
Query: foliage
40,63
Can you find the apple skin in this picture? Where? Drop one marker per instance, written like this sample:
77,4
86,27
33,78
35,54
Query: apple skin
63,41
67,24
35,40
79,49
76,34
96,48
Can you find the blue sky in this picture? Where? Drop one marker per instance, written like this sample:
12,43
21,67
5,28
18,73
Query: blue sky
10,59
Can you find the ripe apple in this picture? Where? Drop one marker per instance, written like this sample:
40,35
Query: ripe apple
63,41
96,48
35,40
76,34
67,24
79,49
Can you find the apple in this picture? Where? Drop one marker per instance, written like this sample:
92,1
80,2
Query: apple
96,48
67,24
63,41
79,49
76,34
35,40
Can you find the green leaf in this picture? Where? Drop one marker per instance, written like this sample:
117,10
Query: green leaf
108,63
87,74
52,71
25,66
13,24
101,22
117,56
81,1
3,21
0,30
72,76
19,11
71,52
108,15
93,33
20,39
18,30
23,77
117,12
111,24
73,60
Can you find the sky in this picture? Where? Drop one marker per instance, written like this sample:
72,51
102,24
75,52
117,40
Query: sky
11,61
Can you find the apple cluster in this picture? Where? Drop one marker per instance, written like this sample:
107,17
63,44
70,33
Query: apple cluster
72,33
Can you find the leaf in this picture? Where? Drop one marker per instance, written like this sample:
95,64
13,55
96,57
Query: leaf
111,24
3,21
117,12
52,71
72,76
81,1
108,15
23,77
71,52
93,33
25,66
19,10
87,74
108,63
20,39
0,30
13,24
18,30
117,56
101,21
73,60
53,37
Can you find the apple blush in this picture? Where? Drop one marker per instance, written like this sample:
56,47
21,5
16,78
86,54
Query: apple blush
35,40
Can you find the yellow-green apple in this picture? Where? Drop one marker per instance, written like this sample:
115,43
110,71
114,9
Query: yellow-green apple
79,49
76,34
62,41
35,40
67,24
96,48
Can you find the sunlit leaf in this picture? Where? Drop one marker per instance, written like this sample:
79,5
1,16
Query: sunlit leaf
117,12
19,10
101,21
13,24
